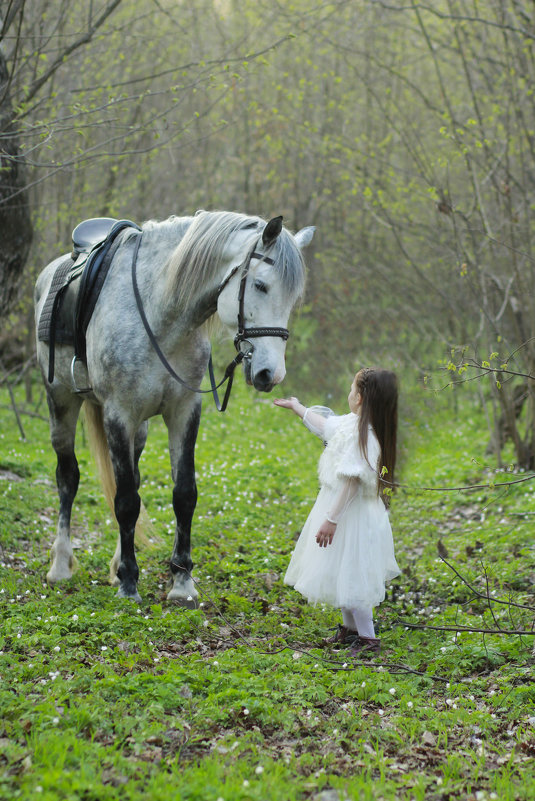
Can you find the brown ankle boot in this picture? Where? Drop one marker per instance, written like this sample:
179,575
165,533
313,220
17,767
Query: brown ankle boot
342,636
365,646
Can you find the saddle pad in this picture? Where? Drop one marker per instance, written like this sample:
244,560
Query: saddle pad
51,310
67,310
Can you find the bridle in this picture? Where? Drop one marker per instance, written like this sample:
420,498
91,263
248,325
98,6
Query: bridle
243,335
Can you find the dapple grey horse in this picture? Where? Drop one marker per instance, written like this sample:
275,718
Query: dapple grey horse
190,272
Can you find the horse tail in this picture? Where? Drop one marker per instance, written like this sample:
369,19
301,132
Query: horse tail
98,444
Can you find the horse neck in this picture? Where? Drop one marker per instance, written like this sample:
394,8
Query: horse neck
171,319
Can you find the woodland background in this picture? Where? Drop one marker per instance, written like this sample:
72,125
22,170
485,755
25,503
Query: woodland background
404,131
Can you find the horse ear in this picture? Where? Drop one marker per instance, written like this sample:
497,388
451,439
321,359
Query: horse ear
304,236
271,231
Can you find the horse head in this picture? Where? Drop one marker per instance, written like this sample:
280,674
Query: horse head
264,280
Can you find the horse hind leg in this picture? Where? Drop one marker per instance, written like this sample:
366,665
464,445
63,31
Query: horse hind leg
139,444
63,418
127,503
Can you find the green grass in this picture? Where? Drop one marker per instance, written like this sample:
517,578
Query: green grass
101,698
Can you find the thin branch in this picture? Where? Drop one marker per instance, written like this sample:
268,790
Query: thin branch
482,595
464,488
472,629
14,406
27,413
457,17
190,65
80,42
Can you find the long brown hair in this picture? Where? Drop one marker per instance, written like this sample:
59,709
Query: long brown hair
379,392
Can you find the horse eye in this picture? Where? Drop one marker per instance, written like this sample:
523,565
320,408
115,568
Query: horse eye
260,286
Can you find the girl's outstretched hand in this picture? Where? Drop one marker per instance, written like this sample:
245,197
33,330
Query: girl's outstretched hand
290,403
326,533
286,403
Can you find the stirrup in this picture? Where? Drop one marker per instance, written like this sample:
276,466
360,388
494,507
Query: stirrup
77,390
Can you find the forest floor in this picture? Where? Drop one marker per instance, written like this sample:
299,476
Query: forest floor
237,700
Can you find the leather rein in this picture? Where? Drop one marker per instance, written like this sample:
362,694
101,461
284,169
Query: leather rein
243,334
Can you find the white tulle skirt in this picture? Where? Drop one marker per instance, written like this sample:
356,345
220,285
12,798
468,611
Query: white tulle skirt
353,570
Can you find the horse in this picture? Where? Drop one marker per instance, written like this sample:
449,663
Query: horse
147,350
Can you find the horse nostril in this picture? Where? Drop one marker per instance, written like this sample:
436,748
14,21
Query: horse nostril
263,380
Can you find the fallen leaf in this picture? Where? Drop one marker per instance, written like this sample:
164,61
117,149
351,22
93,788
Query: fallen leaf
442,550
429,739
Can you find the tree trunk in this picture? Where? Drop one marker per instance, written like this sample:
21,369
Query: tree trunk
15,221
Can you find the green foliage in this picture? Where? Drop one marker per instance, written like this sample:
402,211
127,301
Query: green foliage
403,134
237,699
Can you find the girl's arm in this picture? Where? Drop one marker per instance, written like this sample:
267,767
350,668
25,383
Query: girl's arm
327,530
313,421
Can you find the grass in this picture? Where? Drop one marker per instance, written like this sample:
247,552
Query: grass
100,697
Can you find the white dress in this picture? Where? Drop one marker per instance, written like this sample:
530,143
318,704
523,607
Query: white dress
350,572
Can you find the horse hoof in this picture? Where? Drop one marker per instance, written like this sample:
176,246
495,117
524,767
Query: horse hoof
183,592
61,571
179,600
55,576
132,595
62,565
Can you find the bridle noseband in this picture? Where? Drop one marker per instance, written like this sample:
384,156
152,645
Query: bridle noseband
243,334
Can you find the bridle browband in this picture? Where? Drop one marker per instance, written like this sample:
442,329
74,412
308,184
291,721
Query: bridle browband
243,334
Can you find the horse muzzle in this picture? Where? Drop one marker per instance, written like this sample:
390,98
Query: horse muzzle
259,372
263,379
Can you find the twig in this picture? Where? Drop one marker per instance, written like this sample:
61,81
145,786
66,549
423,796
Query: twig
475,629
482,595
491,610
249,642
26,412
392,667
471,629
14,405
466,488
23,368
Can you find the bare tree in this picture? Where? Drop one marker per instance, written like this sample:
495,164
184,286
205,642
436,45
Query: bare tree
15,220
15,58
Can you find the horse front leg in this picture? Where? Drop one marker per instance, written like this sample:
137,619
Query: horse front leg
127,503
64,413
183,430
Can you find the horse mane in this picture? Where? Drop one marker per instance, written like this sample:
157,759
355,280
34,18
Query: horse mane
198,257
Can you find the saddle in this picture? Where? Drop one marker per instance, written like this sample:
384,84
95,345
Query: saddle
76,286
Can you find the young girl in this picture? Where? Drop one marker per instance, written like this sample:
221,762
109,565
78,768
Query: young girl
345,552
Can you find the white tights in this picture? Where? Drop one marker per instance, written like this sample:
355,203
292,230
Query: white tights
359,620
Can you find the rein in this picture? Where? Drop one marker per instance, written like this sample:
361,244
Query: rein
243,335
